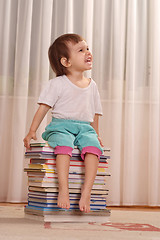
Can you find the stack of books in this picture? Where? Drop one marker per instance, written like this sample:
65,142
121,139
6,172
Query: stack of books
43,187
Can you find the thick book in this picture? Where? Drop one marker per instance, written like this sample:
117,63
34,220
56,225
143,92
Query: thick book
43,214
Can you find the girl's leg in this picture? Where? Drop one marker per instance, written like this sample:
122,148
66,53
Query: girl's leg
62,165
91,166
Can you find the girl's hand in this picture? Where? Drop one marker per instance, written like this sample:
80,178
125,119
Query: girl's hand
27,139
38,117
100,140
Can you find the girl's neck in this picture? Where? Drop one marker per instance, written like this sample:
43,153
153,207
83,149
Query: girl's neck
79,80
74,77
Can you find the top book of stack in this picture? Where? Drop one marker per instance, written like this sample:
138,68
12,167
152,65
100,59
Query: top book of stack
44,148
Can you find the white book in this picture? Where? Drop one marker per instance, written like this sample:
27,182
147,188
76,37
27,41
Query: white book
62,215
68,218
71,185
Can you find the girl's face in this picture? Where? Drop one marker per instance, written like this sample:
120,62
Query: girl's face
80,57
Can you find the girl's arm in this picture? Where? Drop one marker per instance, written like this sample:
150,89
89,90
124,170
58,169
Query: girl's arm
95,125
38,117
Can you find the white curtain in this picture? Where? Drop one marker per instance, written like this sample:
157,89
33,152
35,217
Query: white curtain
124,37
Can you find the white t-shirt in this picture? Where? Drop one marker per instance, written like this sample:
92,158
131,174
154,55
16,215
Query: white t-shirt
69,101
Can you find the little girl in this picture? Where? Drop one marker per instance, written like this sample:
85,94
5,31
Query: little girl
76,108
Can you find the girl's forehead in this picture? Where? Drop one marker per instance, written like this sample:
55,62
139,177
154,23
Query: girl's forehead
75,46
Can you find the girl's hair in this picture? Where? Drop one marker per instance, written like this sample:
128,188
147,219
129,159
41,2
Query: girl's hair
60,49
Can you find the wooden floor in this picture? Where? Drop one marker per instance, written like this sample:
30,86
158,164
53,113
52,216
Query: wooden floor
125,208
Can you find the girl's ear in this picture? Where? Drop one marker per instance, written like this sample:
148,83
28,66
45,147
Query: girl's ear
66,63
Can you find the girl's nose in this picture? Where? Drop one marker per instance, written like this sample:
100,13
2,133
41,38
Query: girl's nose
88,52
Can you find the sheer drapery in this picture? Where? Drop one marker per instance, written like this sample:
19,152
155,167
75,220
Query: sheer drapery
124,38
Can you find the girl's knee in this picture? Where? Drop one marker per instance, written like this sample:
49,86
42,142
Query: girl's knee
91,149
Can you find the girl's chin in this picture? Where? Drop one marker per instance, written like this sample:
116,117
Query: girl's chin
89,66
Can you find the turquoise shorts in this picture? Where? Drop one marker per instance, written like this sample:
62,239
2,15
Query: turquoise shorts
63,135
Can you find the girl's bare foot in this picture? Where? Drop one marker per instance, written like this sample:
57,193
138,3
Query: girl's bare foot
84,203
63,199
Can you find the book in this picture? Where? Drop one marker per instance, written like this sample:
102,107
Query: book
61,215
52,157
49,155
71,190
51,173
73,205
71,185
45,144
73,162
50,195
79,179
73,200
44,175
45,148
72,169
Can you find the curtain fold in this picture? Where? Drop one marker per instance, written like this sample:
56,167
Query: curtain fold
124,38
154,105
135,132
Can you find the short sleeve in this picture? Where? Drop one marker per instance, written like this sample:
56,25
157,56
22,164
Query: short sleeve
49,94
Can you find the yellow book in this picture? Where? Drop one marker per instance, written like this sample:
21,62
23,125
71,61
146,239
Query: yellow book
41,166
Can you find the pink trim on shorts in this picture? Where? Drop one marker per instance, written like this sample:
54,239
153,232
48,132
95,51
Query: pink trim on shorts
63,150
91,149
